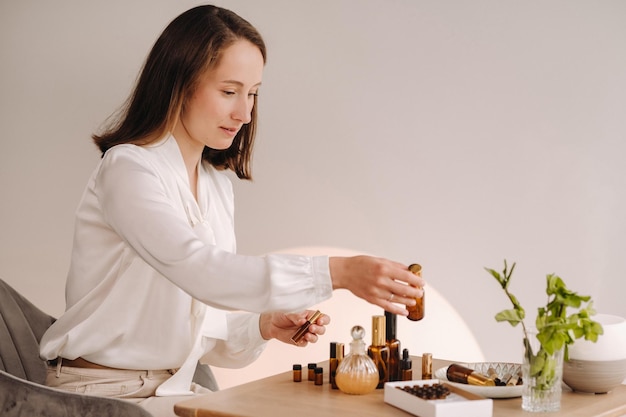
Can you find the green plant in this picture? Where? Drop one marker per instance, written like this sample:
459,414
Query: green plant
555,329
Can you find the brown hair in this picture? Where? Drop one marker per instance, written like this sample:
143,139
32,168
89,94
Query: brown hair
190,45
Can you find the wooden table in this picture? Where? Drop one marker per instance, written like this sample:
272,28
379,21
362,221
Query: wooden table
278,395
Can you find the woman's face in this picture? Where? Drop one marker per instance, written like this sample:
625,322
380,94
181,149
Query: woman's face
223,99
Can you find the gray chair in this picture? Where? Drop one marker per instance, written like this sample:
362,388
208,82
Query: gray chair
23,398
23,372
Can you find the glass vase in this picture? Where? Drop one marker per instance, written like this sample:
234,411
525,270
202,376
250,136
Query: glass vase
542,374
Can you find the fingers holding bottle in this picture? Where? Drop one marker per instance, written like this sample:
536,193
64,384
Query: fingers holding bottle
310,329
388,284
293,328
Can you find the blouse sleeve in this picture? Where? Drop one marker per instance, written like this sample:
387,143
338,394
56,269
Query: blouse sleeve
243,345
135,204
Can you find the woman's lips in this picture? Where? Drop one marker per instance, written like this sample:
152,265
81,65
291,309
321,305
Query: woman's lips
231,131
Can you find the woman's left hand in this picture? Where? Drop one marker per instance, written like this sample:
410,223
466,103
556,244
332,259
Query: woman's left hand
282,326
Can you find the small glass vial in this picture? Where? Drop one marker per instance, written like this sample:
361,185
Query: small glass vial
311,375
357,373
417,311
492,374
297,373
427,366
406,366
319,376
514,380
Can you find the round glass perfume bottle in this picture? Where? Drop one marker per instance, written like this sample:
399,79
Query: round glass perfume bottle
357,373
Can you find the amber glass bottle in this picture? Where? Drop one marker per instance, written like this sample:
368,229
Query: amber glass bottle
417,311
319,376
297,373
464,375
311,371
406,366
393,344
378,350
427,366
336,356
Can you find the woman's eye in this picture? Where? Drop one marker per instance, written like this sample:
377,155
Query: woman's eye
232,93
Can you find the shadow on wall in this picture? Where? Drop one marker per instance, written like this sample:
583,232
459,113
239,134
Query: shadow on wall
442,332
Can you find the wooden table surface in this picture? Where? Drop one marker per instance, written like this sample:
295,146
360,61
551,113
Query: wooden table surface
278,395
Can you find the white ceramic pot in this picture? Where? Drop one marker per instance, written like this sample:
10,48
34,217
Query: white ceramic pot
601,366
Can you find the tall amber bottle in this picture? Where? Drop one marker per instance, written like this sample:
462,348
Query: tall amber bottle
336,356
378,350
417,311
393,344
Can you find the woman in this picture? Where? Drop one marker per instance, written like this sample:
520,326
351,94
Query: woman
154,277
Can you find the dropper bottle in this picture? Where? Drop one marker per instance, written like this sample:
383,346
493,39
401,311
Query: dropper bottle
406,366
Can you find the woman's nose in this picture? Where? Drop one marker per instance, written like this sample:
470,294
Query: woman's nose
243,110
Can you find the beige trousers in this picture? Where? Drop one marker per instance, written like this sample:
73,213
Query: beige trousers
136,386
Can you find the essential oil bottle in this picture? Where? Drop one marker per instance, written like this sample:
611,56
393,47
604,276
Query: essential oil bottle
311,371
297,372
427,366
378,350
464,375
417,311
406,366
357,373
393,344
319,375
336,356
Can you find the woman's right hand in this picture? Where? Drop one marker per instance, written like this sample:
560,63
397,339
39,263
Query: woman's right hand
379,281
281,326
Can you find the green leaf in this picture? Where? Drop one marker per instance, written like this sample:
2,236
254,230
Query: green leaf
537,365
516,303
497,276
513,316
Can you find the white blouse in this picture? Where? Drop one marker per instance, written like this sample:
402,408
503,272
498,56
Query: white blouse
153,272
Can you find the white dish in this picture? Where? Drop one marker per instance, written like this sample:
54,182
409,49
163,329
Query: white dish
501,369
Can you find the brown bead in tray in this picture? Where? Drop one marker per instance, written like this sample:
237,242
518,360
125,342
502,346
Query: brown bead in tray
427,392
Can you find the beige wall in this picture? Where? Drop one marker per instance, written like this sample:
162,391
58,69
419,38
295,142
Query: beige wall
450,133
